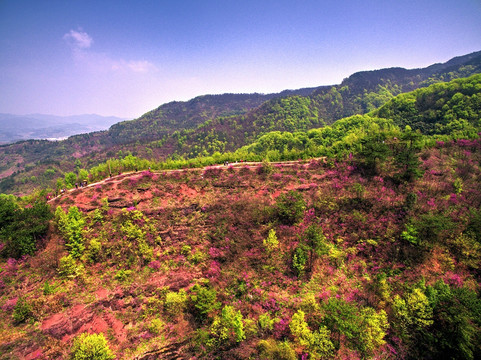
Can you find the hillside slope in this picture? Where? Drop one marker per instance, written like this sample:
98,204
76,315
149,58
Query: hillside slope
209,124
360,93
301,259
441,111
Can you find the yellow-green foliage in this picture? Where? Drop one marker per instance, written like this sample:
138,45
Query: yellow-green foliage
309,303
90,347
185,250
270,349
468,250
69,268
136,234
299,328
175,302
414,311
229,323
317,343
197,257
384,290
94,250
131,230
320,345
265,321
97,216
374,327
60,218
123,275
71,225
271,243
458,186
336,255
156,326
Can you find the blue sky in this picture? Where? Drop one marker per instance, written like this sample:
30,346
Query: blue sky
125,58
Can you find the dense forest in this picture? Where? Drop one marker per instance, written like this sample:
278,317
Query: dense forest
351,239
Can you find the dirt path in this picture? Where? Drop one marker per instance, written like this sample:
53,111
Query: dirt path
118,178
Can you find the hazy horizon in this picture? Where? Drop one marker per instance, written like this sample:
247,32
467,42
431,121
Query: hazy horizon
124,59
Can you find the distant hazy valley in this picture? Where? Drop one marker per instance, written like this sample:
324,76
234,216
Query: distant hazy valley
51,127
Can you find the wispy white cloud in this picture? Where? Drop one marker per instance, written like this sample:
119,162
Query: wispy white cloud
81,42
141,66
78,39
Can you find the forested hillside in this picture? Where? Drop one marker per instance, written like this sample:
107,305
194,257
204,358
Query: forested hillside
216,123
360,93
441,111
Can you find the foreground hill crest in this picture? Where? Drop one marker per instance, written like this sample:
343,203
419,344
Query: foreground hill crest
161,264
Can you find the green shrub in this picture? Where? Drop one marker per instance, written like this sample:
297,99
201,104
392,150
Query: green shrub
122,275
91,347
97,216
363,328
69,268
70,179
135,234
316,240
272,350
467,250
197,257
411,200
204,300
271,243
455,332
358,189
474,226
156,326
22,311
300,329
290,207
21,228
410,234
186,249
372,151
414,311
407,155
175,302
71,225
266,167
227,327
94,250
299,259
145,251
374,325
266,323
48,289
317,343
433,228
458,186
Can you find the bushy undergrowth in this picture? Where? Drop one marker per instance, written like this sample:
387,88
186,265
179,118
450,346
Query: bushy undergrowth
23,224
315,260
91,346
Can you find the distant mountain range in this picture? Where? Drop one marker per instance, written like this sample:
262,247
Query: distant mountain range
213,123
40,126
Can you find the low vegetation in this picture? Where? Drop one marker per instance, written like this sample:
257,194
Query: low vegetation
367,246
